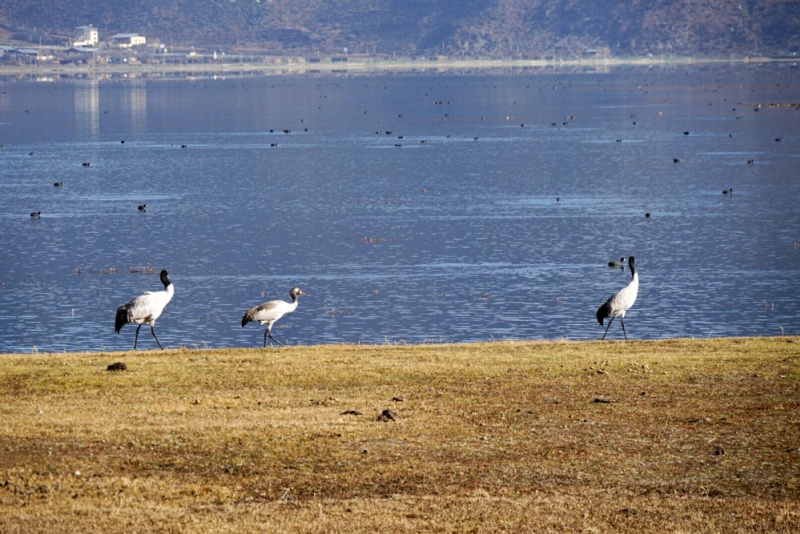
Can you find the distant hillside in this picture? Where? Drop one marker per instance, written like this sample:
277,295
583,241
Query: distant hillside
520,28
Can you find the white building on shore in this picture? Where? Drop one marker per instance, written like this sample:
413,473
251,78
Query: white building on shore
127,40
86,36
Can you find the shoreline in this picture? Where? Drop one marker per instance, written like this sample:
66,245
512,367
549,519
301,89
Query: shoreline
294,66
402,345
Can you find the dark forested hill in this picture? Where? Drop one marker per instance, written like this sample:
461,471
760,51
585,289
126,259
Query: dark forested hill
462,27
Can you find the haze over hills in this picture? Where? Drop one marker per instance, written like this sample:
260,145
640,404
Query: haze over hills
497,28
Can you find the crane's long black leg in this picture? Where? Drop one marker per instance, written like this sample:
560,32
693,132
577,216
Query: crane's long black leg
623,328
266,331
136,339
606,332
275,340
153,331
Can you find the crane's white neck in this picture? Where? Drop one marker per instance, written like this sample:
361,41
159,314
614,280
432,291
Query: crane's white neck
170,291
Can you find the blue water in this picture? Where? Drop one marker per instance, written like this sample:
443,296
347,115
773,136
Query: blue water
453,236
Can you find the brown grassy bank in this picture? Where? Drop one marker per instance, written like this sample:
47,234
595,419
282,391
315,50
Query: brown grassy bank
679,435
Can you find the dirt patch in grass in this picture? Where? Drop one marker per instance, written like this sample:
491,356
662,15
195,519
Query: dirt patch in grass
544,436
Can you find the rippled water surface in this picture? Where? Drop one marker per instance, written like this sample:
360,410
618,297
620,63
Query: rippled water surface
411,208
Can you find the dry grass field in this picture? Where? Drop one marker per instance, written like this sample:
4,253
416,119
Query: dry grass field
677,435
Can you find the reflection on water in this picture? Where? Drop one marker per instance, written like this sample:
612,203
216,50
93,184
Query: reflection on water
87,108
136,92
411,208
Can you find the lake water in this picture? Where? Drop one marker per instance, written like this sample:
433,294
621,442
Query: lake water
451,233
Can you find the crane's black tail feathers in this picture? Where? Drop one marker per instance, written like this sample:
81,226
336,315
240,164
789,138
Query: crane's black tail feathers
603,312
122,318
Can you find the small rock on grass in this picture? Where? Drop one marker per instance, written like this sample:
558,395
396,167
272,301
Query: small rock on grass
119,366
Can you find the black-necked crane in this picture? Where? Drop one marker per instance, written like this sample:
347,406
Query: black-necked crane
620,302
269,312
145,308
615,263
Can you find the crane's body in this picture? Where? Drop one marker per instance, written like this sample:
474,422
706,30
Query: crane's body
620,302
269,312
145,308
